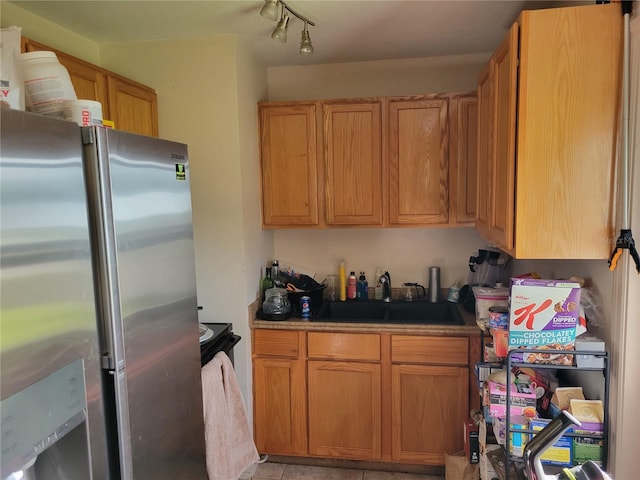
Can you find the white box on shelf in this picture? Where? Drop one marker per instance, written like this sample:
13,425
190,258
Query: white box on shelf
588,342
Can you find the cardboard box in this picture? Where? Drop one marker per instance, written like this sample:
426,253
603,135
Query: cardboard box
543,315
590,413
588,342
522,400
561,452
563,395
471,441
585,449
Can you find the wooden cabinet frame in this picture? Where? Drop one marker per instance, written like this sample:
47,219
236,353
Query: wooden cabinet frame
132,106
548,104
360,396
365,166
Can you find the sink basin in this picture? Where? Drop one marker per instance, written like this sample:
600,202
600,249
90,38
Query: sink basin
424,313
353,311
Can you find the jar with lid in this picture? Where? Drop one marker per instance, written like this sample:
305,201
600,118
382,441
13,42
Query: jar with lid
47,83
276,302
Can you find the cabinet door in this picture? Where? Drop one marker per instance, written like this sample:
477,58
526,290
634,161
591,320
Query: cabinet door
289,169
280,415
429,405
344,410
568,117
353,163
485,150
504,84
89,81
132,106
464,159
418,161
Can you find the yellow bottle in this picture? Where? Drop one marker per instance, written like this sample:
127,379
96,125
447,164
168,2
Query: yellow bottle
343,282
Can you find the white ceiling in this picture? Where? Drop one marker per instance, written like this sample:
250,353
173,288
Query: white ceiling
345,31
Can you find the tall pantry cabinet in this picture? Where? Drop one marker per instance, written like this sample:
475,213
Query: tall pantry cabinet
548,109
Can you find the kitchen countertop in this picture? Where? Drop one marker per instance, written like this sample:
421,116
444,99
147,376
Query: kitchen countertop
294,323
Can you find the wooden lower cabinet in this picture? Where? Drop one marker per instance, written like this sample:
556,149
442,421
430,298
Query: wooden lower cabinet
279,393
361,396
344,410
429,404
429,397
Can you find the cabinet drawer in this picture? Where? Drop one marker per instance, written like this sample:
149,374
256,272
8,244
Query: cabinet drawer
436,350
344,346
276,343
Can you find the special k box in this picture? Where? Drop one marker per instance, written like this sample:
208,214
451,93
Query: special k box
543,315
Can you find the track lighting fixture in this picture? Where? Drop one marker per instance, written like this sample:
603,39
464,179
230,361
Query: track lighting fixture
270,11
305,44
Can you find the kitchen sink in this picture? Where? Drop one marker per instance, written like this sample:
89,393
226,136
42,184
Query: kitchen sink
375,311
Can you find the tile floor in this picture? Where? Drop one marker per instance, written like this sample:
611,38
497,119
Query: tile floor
281,471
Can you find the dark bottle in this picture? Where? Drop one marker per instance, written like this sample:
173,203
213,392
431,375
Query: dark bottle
267,282
275,271
363,288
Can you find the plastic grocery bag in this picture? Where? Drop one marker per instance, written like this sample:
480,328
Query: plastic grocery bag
11,81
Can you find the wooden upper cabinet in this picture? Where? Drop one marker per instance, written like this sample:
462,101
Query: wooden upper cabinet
132,107
382,161
418,140
289,166
504,84
353,163
568,118
88,81
463,162
554,140
485,149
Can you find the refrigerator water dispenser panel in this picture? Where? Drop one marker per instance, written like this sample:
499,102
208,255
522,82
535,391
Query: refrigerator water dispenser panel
37,425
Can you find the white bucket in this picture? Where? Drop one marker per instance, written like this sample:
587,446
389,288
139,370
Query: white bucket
84,112
46,83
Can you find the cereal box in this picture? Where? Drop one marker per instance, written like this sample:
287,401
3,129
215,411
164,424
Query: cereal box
561,452
543,315
522,400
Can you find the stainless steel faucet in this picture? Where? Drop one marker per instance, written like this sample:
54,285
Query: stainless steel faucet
385,281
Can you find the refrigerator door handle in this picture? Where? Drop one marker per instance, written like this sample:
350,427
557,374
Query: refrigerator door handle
124,425
98,179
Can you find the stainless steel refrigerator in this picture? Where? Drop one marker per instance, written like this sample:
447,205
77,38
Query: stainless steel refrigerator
99,337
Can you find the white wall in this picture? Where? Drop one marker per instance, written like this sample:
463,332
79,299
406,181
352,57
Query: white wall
48,33
386,77
207,92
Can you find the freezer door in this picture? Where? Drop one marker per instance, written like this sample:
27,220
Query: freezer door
141,211
48,312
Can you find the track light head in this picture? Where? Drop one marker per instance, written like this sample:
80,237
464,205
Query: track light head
306,48
270,10
280,32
